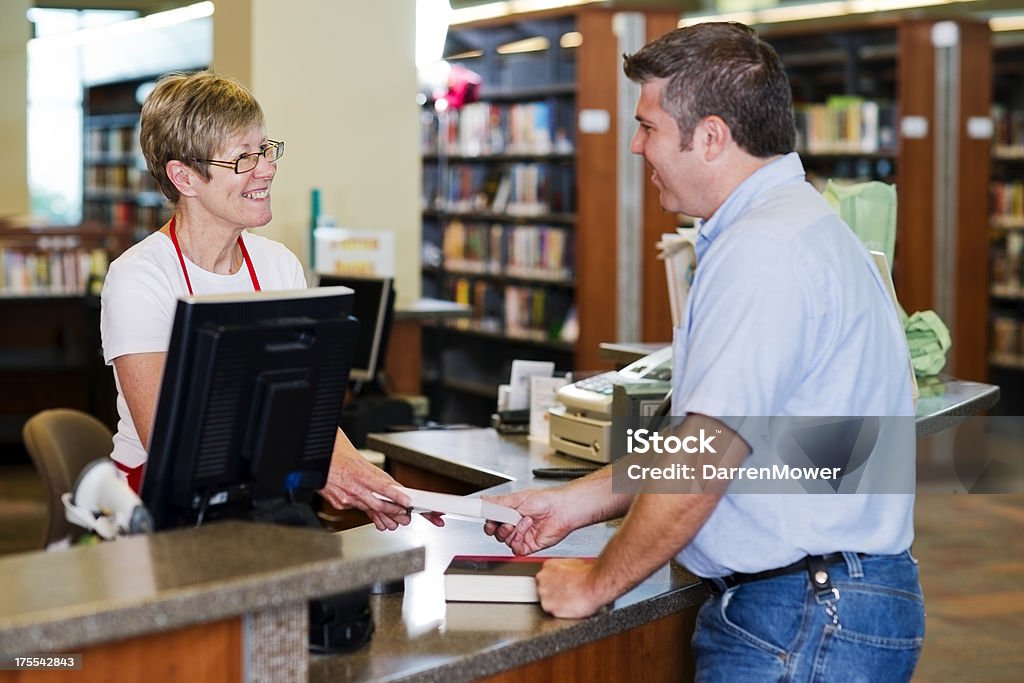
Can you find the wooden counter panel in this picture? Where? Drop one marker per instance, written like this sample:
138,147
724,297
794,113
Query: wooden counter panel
404,362
654,652
210,652
419,478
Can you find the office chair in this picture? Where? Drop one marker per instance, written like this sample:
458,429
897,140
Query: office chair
61,442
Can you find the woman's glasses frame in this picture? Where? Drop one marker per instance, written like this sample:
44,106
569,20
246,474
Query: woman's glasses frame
271,151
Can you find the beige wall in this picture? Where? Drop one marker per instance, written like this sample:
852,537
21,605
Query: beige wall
15,31
337,81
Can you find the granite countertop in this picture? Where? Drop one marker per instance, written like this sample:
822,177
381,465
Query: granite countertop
945,402
420,637
476,456
61,600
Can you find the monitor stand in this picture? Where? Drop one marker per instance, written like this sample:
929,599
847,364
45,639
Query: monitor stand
340,623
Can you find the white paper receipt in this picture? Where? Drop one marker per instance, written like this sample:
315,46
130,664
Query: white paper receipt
464,506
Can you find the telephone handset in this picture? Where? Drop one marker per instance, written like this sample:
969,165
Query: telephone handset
594,394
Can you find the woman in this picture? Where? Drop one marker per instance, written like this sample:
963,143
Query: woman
204,141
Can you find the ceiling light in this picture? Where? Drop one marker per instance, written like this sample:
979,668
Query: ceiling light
492,10
1013,22
535,44
814,10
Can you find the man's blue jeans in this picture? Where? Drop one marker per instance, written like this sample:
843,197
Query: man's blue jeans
779,630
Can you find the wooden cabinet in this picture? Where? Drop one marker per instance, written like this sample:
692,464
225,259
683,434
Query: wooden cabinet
521,212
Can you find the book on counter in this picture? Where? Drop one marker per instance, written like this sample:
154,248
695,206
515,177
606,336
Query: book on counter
494,578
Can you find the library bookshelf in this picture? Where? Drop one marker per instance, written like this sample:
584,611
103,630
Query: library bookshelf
117,189
519,205
50,347
53,261
1006,227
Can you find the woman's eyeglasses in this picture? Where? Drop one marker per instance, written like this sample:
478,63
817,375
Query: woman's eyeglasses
271,151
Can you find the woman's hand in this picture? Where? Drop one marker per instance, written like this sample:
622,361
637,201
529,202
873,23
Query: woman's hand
352,482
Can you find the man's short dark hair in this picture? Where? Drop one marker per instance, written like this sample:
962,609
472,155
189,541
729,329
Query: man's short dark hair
721,69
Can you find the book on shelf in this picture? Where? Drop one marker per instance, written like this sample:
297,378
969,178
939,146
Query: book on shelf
522,251
494,578
1009,128
1007,201
50,271
487,129
1007,335
845,124
501,194
1007,265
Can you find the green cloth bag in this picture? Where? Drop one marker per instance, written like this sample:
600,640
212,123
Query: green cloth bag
870,210
929,341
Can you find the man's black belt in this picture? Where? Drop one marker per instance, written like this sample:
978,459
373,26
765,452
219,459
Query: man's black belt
805,564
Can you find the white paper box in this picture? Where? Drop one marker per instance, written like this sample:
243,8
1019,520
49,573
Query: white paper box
346,251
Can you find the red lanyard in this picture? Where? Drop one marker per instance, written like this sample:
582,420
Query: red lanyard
181,259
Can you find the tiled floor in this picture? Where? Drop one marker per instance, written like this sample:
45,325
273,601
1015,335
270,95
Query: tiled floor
972,570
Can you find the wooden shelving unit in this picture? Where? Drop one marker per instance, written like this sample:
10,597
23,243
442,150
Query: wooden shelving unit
1006,234
520,206
118,190
50,341
56,261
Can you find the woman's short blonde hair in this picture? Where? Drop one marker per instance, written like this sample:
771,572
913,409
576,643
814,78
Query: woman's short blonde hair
188,117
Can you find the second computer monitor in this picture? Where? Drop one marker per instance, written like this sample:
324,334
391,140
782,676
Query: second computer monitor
373,305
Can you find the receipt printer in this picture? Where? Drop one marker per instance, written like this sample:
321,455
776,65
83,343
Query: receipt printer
581,423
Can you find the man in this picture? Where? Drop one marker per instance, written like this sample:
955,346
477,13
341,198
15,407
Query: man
787,316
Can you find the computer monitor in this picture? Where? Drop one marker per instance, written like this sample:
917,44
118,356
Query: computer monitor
249,405
373,306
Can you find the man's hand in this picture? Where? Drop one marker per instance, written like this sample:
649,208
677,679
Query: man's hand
544,521
568,589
